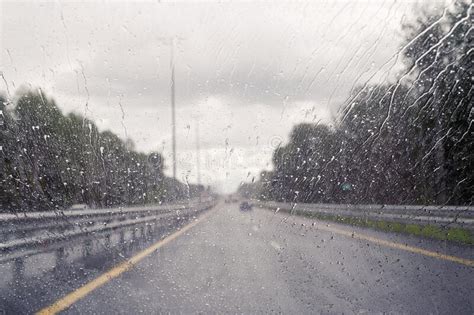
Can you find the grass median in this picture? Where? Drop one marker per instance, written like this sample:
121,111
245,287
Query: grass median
455,234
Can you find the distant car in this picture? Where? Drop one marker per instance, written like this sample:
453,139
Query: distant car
231,199
245,206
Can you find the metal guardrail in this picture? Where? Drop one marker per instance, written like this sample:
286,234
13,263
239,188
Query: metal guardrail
444,216
26,234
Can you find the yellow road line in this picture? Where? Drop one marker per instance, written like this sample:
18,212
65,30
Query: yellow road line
408,248
81,292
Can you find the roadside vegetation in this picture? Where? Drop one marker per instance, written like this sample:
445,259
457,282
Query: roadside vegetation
408,140
49,160
454,234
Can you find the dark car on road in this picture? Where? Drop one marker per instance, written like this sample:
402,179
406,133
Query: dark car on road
245,206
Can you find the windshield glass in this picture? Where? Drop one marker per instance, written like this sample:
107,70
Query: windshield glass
236,157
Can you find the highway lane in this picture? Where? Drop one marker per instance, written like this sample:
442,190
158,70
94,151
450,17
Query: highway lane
256,262
45,279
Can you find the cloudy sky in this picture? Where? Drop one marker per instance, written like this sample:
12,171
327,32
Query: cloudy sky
246,72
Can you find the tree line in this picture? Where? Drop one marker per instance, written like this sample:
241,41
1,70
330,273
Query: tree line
406,141
50,161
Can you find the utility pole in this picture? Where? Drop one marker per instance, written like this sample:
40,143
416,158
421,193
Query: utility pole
172,42
198,155
198,160
173,109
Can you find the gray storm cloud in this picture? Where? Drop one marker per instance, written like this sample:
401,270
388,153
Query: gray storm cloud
247,72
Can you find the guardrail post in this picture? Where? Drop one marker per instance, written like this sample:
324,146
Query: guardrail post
122,237
152,228
86,249
149,231
18,270
142,232
134,241
60,258
107,242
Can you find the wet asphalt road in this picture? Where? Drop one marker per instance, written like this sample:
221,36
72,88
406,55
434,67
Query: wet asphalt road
261,262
